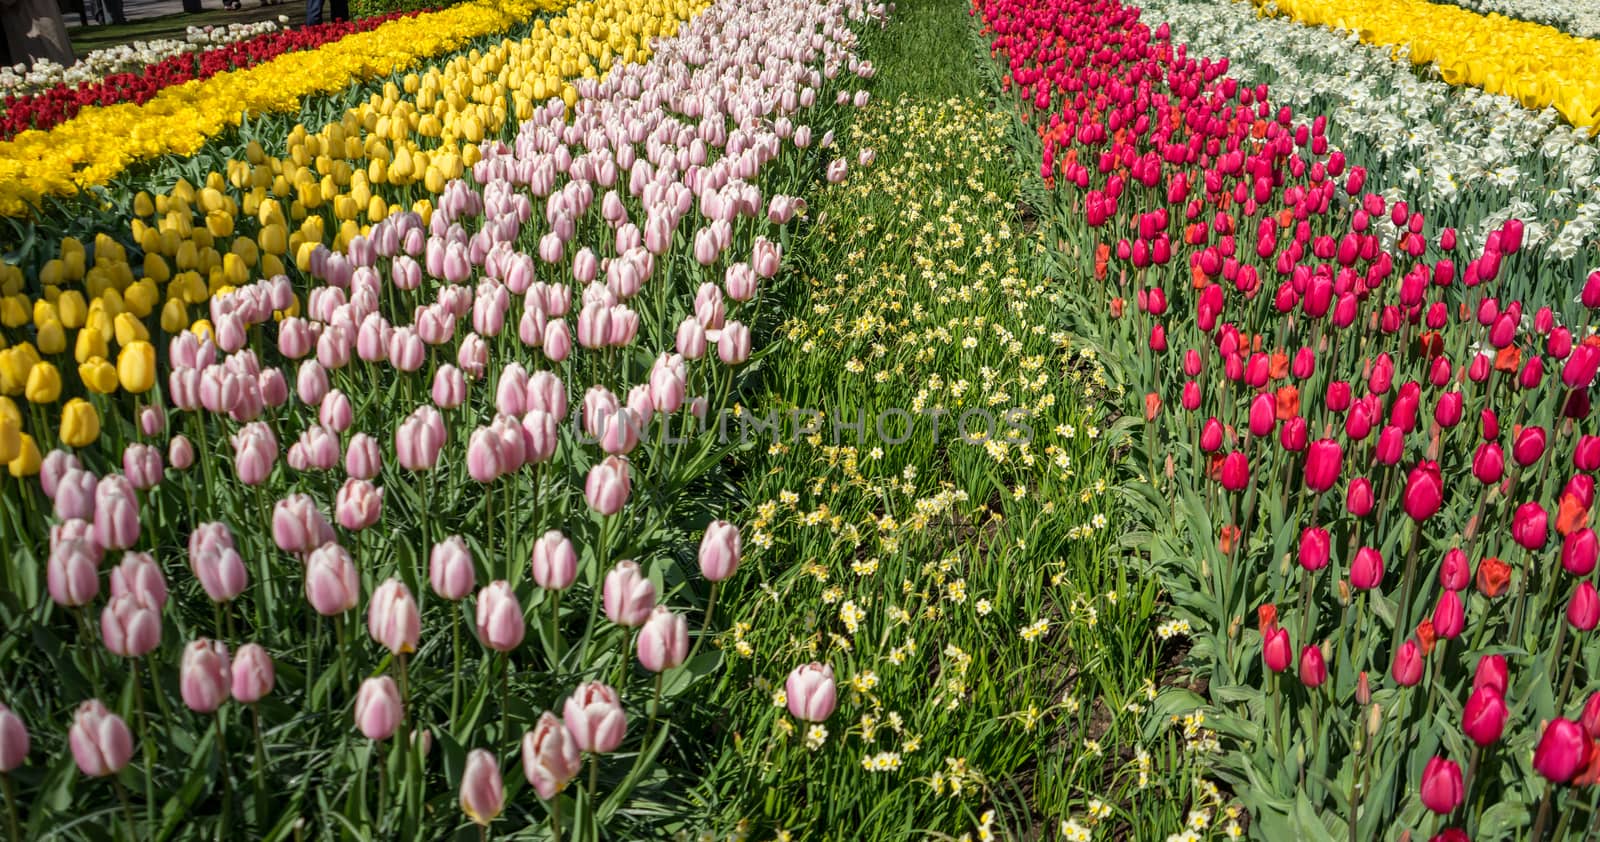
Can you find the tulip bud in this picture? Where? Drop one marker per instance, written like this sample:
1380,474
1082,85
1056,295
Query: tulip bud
720,550
663,641
1530,526
393,619
14,742
1315,547
1583,609
1561,751
1276,650
1313,668
204,675
1483,719
253,675
1324,458
811,692
101,742
555,561
550,757
628,595
1491,673
1366,570
1359,498
332,584
593,716
1407,669
1441,785
1424,492
608,485
450,568
500,623
129,627
482,789
1449,616
378,708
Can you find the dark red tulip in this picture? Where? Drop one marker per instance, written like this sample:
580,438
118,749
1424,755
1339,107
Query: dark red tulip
1441,785
1313,669
1530,526
1529,446
1236,471
1315,547
1491,673
1324,458
1583,609
1561,751
1358,498
1407,669
1366,570
1579,551
1424,491
1455,573
1276,651
1488,463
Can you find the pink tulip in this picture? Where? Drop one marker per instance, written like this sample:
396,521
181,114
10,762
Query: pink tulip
691,339
663,641
253,674
733,343
335,411
362,458
608,486
205,676
550,757
75,494
129,627
180,452
593,716
139,576
449,387
358,505
332,584
555,561
298,526
811,692
1529,526
101,742
500,623
378,708
720,551
216,562
482,789
1441,785
419,439
72,573
628,595
483,456
540,435
254,451
14,742
450,568
393,619
142,463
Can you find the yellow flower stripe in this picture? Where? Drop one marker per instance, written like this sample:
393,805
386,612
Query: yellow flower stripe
100,142
1534,64
264,213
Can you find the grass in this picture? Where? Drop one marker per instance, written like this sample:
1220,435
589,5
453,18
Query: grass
997,666
87,39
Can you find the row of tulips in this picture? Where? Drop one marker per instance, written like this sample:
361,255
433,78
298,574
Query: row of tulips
1578,17
1349,435
268,215
100,142
415,384
19,80
1532,63
42,109
1465,158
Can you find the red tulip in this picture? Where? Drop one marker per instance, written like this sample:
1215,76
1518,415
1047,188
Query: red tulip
1483,719
1235,471
1491,673
1449,616
1530,526
1579,551
1358,498
1366,571
1275,649
1441,785
1313,669
1454,572
1583,609
1488,463
1315,546
1407,669
1424,491
1323,460
1561,750
1529,446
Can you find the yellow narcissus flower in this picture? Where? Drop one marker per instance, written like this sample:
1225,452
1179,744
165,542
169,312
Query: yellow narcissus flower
44,383
80,423
28,459
136,366
98,375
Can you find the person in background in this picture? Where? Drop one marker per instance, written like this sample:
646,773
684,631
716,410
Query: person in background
33,30
340,11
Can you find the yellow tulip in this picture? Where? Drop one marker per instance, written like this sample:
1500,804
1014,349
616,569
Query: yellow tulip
52,337
71,309
141,298
89,343
174,316
136,366
80,423
44,383
10,438
129,329
14,311
28,459
98,375
219,223
11,279
142,205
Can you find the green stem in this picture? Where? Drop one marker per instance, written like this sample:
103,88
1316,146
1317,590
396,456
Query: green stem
11,808
122,795
149,754
455,674
705,628
227,779
555,819
261,765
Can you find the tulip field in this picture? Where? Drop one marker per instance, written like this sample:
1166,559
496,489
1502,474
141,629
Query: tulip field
762,420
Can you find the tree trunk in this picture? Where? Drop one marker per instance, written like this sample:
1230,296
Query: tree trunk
34,30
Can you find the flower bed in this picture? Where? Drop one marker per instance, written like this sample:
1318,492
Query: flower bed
50,106
23,79
383,426
1365,468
